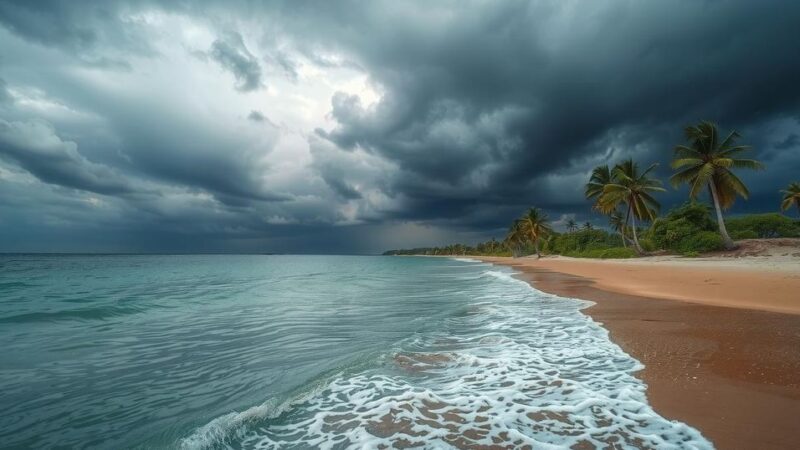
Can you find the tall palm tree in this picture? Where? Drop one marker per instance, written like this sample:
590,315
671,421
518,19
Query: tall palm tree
617,222
601,176
572,226
632,188
791,196
707,162
534,225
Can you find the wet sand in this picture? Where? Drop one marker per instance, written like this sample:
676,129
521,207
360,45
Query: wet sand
731,372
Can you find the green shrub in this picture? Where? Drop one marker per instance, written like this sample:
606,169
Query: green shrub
603,253
648,245
704,241
580,241
678,230
618,252
764,226
743,234
597,246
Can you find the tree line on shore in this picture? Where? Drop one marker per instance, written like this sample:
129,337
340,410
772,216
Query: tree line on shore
626,195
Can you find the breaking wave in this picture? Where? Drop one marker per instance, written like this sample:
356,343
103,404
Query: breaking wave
519,369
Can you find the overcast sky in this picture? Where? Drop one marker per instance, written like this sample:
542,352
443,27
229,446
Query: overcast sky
353,127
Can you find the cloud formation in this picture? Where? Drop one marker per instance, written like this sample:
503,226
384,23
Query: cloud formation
232,54
299,126
37,149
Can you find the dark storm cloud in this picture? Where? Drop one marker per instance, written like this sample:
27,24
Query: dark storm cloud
484,108
36,148
791,141
256,116
231,53
49,22
94,32
497,97
516,91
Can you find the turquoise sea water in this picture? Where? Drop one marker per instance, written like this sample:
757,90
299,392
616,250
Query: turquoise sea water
307,352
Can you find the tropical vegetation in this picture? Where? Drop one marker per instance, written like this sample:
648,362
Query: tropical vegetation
707,162
791,197
533,226
626,195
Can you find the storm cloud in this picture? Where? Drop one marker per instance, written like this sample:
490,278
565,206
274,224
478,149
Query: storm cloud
232,54
343,126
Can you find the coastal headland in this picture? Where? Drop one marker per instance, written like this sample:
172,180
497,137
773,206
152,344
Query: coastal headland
719,336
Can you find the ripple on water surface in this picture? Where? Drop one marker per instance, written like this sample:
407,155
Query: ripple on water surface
522,369
282,352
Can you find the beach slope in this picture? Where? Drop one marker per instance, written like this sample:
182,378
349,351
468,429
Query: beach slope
719,336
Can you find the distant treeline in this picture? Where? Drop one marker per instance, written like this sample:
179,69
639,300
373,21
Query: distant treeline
625,195
687,230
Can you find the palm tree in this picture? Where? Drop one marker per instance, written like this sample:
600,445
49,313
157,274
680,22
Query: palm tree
632,188
707,162
588,226
791,196
601,176
492,245
514,238
572,226
534,226
617,223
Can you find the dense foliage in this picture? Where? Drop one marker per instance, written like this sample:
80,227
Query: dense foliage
624,194
585,243
763,226
686,229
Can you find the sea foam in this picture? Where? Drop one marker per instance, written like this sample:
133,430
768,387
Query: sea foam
519,368
469,260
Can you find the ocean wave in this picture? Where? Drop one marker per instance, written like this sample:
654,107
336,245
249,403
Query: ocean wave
469,260
524,369
82,314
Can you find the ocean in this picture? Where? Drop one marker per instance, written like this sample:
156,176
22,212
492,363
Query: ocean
295,352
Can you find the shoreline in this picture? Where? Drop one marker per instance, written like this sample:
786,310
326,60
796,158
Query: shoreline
727,369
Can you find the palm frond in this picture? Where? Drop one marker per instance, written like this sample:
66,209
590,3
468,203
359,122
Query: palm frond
685,176
682,151
728,181
747,164
680,162
704,175
733,150
729,140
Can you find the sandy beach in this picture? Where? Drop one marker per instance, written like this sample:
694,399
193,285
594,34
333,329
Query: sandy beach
719,336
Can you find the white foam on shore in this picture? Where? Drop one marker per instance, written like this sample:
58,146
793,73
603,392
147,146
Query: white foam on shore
522,369
469,260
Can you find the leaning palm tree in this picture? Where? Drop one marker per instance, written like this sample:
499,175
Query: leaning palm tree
617,222
633,189
572,226
515,238
791,196
707,162
534,225
601,176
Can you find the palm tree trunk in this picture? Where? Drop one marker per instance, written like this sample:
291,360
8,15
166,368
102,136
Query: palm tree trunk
729,245
635,238
536,246
622,230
